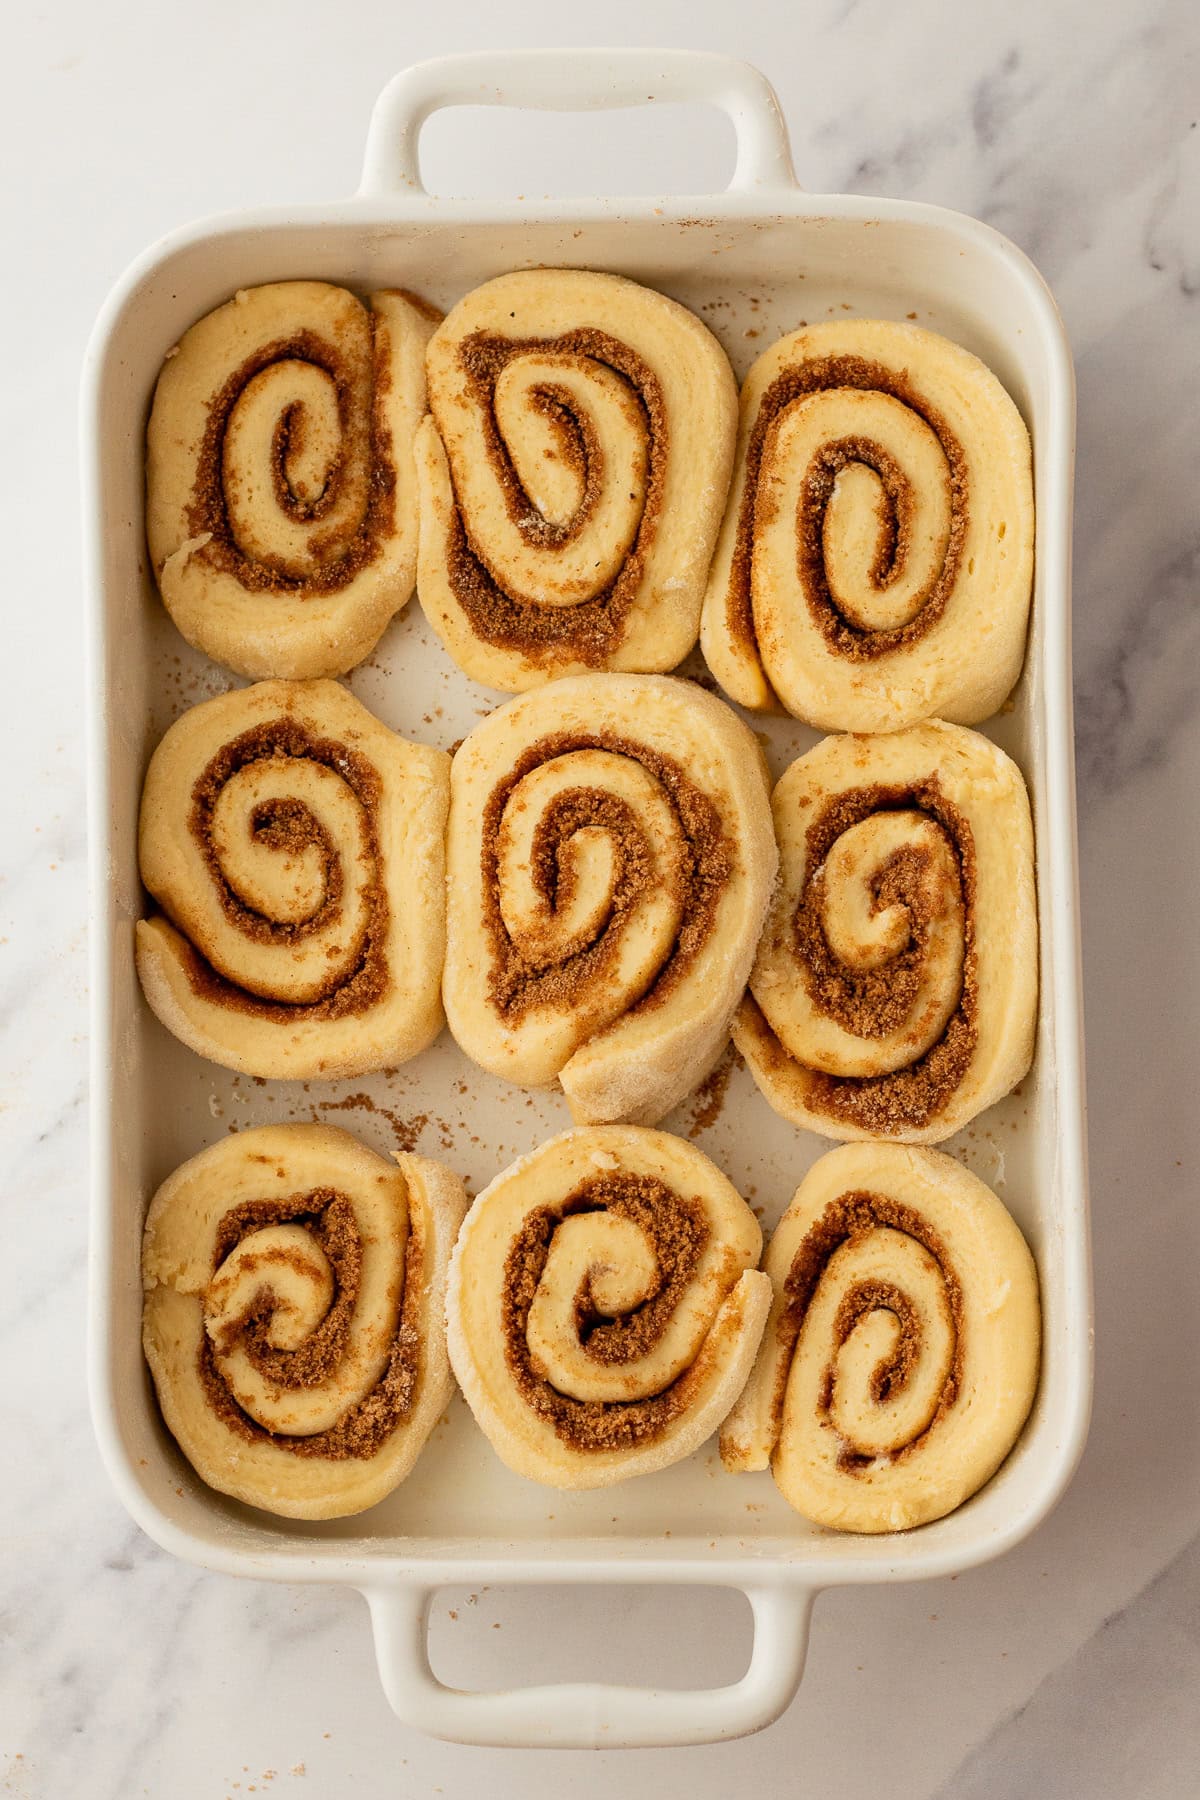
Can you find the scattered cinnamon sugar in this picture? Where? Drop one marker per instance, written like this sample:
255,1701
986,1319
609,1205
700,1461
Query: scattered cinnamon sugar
709,1098
406,1132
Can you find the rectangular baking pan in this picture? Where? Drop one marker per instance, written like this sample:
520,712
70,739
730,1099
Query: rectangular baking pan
753,261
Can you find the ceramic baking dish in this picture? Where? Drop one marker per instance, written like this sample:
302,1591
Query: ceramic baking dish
754,260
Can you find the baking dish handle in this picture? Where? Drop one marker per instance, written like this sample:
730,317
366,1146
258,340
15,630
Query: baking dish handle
577,81
586,1715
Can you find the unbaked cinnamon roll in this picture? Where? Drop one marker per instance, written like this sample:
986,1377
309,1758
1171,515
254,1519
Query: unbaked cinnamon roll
604,1306
281,506
894,993
293,1316
295,847
901,1356
876,557
571,477
610,859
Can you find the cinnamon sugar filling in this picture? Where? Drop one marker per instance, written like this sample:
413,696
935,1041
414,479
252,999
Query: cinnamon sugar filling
853,1216
289,826
589,631
841,634
554,873
872,1003
287,441
365,1427
341,559
579,447
678,1232
517,984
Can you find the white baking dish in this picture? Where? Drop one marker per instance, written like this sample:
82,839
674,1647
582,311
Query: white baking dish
754,260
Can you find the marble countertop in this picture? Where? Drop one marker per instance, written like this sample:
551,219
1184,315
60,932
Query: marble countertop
1071,1667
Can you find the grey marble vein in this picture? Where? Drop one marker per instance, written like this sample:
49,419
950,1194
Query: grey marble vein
1119,1717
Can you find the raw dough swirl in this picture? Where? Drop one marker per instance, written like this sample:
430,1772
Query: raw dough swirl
293,1316
610,861
604,1305
572,476
295,846
901,1356
875,562
281,503
895,989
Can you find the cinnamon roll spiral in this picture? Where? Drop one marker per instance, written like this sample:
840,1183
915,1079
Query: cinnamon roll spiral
280,499
296,849
293,1315
875,561
610,860
901,1356
604,1306
571,476
894,993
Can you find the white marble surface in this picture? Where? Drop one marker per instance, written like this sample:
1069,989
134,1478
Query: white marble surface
1069,1668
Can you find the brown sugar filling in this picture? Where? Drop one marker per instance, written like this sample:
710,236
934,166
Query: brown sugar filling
891,1375
842,635
341,558
872,1003
364,1428
579,446
287,441
516,983
288,825
678,1232
553,872
853,1216
590,631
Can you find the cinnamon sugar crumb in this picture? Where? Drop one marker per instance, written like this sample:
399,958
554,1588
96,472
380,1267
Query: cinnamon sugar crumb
406,1132
709,1097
